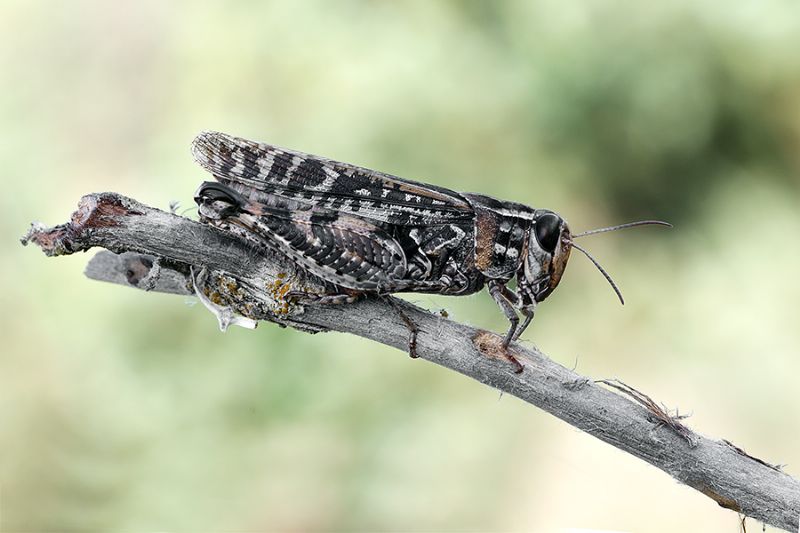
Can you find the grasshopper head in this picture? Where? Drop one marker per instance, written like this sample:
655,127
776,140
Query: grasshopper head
549,245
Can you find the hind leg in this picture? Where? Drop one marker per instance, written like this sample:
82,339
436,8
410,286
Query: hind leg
305,298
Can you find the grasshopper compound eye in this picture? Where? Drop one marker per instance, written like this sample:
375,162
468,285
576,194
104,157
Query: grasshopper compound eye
548,228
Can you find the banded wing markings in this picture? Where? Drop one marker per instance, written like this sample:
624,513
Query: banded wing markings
330,184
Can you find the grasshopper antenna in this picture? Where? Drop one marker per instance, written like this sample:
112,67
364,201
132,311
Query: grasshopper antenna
605,230
622,226
602,271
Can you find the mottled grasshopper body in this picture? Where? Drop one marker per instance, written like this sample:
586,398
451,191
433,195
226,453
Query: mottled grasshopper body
366,232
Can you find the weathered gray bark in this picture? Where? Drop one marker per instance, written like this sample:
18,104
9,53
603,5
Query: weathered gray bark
157,250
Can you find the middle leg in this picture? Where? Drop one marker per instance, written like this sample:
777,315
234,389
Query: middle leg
413,329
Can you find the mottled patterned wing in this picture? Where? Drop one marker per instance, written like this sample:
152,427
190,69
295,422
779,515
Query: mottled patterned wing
328,184
348,251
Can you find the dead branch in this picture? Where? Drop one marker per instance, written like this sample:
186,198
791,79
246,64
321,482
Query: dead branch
159,251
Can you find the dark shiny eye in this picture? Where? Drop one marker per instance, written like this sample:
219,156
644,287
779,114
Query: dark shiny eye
548,228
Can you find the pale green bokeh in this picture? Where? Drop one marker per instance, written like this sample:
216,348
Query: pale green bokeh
128,411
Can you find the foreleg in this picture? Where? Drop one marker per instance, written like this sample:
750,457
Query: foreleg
496,289
526,310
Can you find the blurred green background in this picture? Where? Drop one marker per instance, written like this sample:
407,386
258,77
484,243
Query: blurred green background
129,411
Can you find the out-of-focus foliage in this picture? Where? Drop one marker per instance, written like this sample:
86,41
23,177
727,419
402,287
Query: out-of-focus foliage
129,411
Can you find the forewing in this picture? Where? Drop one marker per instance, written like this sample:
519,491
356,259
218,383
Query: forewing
340,248
328,184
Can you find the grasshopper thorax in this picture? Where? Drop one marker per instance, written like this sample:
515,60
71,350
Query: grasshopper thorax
512,239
